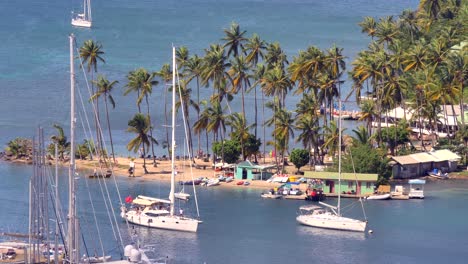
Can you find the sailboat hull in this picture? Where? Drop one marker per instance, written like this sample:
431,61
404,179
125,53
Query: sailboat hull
177,223
79,22
331,221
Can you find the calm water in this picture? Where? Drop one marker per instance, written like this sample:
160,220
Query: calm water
238,226
34,55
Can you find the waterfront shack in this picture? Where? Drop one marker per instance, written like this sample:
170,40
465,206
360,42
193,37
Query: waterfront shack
247,170
418,164
366,182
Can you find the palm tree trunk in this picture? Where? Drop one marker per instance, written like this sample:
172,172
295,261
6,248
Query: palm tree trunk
198,114
166,122
151,131
256,117
109,128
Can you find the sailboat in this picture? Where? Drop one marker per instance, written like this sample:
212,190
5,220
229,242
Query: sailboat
153,212
83,19
331,217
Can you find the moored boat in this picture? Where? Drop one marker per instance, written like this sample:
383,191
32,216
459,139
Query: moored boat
383,196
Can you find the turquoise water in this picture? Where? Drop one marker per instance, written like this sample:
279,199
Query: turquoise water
240,227
34,55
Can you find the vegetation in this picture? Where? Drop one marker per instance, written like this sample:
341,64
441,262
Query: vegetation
19,148
229,151
299,157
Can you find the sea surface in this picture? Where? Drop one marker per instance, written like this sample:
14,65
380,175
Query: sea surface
34,55
239,227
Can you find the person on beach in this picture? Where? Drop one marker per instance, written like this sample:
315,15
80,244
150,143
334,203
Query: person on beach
131,169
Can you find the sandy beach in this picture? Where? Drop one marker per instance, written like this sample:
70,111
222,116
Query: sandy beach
162,171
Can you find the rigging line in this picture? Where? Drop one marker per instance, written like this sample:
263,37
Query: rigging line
355,177
115,182
99,179
186,141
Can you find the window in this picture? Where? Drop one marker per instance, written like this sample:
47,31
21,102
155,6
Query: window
350,184
368,185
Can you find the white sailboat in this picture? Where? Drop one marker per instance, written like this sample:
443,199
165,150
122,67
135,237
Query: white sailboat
149,214
83,19
331,217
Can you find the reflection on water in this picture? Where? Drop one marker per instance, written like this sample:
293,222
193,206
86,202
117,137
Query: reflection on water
322,233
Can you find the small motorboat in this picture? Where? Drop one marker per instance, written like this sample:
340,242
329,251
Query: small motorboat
271,195
182,196
240,183
383,196
229,179
246,183
212,182
96,259
436,173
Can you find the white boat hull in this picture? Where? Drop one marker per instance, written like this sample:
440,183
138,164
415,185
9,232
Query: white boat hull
271,196
178,223
182,196
78,22
331,221
379,197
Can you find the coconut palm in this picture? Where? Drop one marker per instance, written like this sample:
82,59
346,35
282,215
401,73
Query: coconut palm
284,130
140,125
166,75
240,130
185,102
91,53
254,49
386,30
368,25
182,56
362,135
240,77
331,135
275,56
193,69
104,88
147,83
234,39
215,67
308,126
276,83
61,140
216,123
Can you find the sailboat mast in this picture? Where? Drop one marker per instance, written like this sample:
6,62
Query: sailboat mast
88,10
173,171
72,254
339,152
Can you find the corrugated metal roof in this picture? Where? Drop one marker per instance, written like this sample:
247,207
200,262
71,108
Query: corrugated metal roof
325,175
404,160
445,154
250,165
424,157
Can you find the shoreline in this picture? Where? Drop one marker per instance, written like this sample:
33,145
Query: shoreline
162,171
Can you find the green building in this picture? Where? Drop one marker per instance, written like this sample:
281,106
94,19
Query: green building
247,170
329,182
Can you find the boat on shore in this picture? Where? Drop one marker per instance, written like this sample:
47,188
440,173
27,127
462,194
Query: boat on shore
438,174
271,195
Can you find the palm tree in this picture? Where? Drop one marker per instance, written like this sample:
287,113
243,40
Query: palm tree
254,49
135,79
234,39
240,77
284,130
61,140
308,126
275,56
166,75
368,25
202,123
193,68
276,83
362,135
331,137
367,114
216,123
182,56
104,88
147,84
431,7
185,102
140,126
91,52
386,30
214,67
240,130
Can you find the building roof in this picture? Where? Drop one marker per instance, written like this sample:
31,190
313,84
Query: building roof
248,164
425,157
325,175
